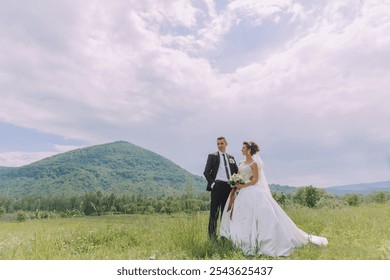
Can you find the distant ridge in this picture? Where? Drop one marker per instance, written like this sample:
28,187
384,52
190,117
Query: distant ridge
363,188
119,167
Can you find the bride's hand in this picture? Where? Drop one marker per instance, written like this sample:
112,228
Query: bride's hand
240,186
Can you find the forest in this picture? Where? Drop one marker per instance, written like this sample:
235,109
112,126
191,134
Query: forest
98,203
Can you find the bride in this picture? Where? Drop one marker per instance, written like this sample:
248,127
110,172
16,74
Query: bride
253,220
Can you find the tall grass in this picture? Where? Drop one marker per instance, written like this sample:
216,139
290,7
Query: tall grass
354,233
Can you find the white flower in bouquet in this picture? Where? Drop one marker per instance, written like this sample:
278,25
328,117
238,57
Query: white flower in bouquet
236,179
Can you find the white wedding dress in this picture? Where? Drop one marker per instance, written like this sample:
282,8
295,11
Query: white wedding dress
256,223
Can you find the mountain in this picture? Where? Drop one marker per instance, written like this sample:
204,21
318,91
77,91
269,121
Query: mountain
363,188
119,167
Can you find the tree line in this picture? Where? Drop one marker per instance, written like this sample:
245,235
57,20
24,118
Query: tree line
99,203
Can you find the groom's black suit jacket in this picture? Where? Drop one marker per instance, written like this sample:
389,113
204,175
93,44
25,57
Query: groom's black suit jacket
211,169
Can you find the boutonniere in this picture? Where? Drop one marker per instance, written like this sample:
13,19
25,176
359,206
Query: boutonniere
231,160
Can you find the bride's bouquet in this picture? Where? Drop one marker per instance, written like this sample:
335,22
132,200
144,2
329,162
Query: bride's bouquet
236,179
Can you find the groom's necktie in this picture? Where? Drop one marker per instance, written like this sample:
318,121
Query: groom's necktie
226,167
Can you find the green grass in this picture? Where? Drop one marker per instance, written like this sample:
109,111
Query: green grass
354,233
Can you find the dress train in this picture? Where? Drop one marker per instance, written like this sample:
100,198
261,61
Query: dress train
258,225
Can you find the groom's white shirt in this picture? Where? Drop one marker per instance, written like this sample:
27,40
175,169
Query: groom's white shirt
221,174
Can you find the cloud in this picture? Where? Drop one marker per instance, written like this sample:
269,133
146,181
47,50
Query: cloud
306,80
322,66
20,158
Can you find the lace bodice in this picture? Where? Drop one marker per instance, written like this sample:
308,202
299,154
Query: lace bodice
245,170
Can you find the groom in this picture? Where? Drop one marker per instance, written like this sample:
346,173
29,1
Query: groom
219,167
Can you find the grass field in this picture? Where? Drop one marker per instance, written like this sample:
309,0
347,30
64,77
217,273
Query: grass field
354,233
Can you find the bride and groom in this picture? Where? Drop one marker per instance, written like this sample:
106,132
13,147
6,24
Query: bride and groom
251,218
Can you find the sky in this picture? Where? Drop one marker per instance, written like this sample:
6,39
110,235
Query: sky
308,81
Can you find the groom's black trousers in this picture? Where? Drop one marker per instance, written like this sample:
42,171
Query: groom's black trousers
219,196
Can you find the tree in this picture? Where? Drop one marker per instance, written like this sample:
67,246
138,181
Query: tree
2,211
352,199
379,197
91,203
7,202
308,196
21,216
281,198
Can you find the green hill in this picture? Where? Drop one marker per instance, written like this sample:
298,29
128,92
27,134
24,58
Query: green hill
118,167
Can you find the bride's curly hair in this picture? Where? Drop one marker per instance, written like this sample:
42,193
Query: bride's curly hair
252,146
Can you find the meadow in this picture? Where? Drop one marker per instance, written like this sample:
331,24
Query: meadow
354,233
